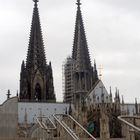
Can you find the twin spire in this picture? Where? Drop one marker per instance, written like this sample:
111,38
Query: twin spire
36,78
36,52
80,48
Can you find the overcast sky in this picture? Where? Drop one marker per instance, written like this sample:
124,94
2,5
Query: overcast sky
113,34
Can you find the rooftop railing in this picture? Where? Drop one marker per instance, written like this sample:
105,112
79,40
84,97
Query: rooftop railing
133,123
74,126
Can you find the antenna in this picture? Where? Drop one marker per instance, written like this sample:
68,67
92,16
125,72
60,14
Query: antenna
100,71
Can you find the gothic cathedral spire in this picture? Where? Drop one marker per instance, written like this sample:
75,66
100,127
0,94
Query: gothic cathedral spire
80,47
36,54
36,80
85,75
80,76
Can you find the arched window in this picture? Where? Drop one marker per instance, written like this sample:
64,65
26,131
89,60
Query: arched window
28,92
37,92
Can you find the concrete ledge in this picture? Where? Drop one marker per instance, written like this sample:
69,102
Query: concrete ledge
2,138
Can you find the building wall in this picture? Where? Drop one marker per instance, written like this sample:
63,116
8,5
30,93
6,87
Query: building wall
9,118
97,92
29,111
128,109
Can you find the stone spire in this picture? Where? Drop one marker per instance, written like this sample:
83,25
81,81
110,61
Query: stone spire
80,47
110,95
83,74
122,100
36,77
36,54
136,106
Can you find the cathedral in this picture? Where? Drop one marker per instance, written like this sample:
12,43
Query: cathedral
89,111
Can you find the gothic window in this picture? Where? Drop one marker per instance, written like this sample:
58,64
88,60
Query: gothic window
29,91
83,81
37,92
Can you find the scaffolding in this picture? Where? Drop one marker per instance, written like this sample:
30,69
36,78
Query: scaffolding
67,78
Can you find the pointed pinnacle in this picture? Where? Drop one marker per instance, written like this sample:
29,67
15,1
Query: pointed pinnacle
36,1
122,100
94,63
17,93
110,90
135,100
78,3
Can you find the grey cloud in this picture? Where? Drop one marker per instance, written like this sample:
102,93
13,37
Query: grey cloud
124,5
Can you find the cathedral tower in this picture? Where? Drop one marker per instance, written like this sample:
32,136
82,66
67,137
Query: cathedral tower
36,80
83,75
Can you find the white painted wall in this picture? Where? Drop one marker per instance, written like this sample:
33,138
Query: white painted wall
130,107
33,110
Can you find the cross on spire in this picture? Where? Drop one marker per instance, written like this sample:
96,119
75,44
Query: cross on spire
8,94
78,3
36,1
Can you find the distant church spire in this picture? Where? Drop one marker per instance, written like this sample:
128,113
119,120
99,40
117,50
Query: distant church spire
36,54
80,47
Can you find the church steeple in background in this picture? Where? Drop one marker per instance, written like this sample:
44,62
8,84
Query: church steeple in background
36,80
